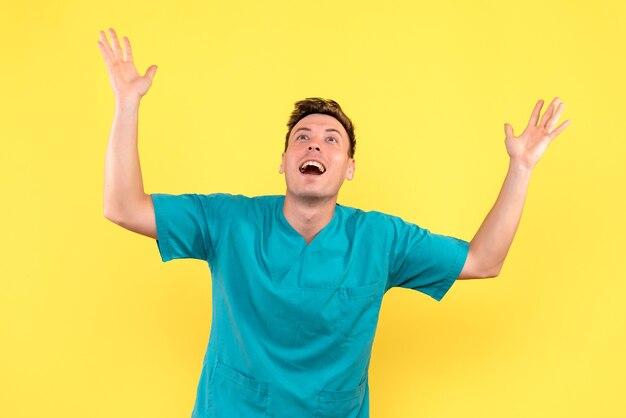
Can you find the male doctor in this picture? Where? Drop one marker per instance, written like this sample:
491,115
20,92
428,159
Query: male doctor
298,280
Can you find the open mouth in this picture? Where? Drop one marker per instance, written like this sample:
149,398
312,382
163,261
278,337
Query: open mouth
313,168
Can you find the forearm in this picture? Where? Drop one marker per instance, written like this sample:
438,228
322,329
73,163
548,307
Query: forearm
495,236
123,185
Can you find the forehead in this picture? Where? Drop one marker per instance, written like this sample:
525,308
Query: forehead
320,121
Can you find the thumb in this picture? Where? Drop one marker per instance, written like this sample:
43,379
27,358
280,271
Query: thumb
151,71
508,130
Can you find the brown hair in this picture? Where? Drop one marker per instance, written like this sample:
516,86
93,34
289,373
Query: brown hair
329,107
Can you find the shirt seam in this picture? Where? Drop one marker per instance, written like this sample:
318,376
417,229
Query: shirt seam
449,280
163,235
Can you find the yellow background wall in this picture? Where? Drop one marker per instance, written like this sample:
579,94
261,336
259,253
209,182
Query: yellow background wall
93,324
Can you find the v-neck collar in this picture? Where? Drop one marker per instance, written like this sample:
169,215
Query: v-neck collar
292,231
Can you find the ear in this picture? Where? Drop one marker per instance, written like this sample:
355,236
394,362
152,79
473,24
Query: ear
281,170
351,168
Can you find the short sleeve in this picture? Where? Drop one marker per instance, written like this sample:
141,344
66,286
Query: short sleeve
424,261
188,224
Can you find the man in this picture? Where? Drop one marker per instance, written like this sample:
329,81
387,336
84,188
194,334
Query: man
298,280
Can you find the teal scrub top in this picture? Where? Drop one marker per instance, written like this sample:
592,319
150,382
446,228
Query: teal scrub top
293,324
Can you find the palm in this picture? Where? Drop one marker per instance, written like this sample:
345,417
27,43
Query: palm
528,148
126,82
126,79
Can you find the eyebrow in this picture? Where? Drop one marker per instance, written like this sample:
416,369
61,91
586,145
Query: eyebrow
327,130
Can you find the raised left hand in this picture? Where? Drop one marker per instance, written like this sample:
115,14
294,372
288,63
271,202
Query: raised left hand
526,150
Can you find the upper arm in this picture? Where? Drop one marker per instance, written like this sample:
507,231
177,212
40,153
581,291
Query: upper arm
140,219
422,260
471,268
191,225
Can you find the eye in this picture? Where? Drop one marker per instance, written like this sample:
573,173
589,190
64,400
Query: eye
332,139
300,136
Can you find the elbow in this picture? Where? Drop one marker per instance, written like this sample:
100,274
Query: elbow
492,273
107,209
108,217
106,214
111,216
113,211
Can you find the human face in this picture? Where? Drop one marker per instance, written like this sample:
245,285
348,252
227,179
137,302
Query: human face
322,139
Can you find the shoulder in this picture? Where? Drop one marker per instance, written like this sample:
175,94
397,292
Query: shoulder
373,232
238,199
371,219
224,205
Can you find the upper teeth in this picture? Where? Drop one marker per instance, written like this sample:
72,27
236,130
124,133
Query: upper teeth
314,163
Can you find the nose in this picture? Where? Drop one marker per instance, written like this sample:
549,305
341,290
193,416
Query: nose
314,143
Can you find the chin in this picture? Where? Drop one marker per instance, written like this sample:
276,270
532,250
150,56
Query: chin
311,194
311,191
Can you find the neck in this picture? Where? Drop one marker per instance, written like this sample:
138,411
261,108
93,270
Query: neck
308,216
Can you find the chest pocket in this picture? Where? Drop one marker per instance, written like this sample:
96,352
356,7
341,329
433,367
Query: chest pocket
358,310
233,394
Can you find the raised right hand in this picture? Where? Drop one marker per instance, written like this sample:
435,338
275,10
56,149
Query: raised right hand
126,82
